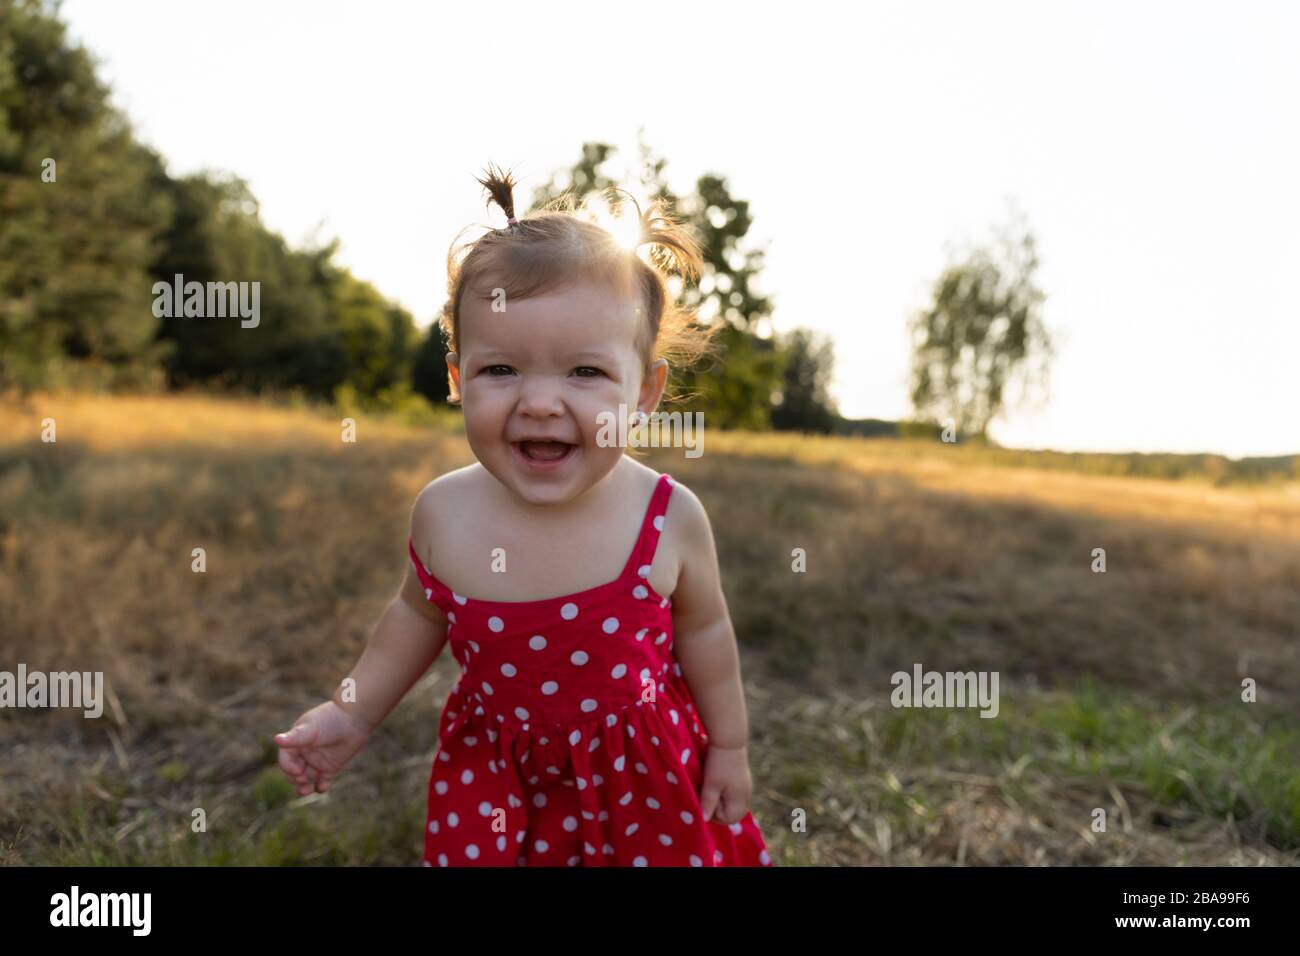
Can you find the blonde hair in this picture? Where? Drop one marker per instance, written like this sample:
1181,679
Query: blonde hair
556,247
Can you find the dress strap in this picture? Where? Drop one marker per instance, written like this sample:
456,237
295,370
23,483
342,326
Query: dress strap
434,590
647,542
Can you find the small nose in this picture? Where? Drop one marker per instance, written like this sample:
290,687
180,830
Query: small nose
540,395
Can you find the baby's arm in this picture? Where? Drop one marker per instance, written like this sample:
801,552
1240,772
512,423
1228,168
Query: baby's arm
408,638
705,645
704,641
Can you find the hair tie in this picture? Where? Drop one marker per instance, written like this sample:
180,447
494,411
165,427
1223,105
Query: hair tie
512,221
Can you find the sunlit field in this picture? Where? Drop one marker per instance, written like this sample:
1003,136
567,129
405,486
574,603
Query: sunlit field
1120,691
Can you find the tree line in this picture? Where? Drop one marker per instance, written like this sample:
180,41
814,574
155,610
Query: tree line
91,220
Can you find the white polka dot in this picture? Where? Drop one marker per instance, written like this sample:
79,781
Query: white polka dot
582,783
569,611
643,571
451,616
537,642
645,674
521,713
487,688
687,817
696,861
441,787
652,803
735,828
467,777
625,799
539,800
588,705
595,742
501,843
640,861
659,522
578,657
442,859
509,670
471,741
765,858
663,636
495,624
473,645
640,593
550,687
433,826
640,767
620,762
665,839
485,809
631,828
618,671
611,720
458,598
541,846
471,851
452,819
610,625
428,593
640,635
686,755
574,860
588,848
570,823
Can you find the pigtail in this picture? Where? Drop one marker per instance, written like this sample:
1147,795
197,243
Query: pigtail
673,248
500,187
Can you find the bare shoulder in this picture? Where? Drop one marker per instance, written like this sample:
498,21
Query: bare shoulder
446,494
686,522
687,513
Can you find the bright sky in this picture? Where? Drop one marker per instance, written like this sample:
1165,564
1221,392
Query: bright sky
1152,146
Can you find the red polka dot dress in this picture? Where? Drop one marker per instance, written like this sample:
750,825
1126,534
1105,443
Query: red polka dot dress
571,738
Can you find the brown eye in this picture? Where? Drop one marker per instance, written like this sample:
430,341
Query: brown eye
588,371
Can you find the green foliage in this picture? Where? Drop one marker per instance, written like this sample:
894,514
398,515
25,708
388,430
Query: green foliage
79,255
982,332
77,237
429,370
743,386
806,404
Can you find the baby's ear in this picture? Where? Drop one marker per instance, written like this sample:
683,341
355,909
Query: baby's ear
453,377
652,385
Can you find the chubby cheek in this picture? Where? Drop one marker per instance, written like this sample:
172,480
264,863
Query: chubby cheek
593,409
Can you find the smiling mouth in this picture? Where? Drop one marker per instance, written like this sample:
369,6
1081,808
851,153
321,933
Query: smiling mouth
544,451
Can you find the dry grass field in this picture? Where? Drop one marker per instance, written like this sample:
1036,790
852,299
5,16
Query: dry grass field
1119,691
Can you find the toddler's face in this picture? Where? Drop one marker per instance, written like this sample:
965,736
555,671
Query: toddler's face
534,381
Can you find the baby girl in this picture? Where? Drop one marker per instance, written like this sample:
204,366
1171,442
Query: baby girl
606,725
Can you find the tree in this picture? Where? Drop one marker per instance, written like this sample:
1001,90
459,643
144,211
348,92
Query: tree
429,369
78,220
806,404
982,332
738,389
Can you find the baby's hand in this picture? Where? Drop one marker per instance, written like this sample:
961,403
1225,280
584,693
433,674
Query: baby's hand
321,741
727,786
